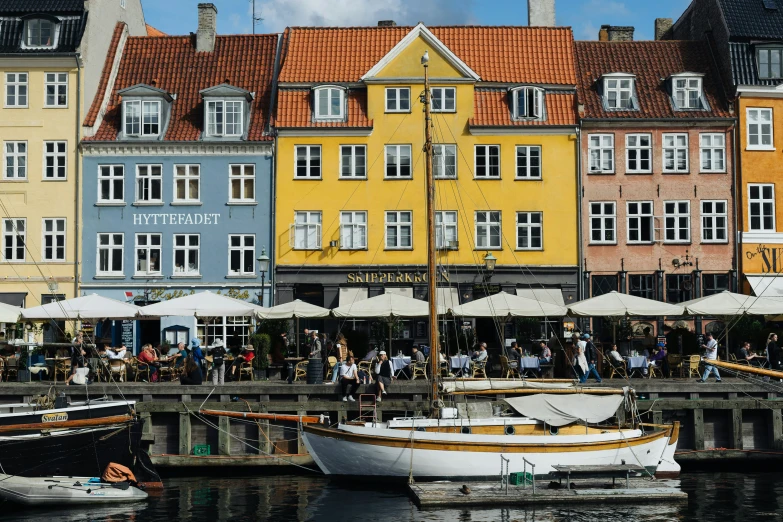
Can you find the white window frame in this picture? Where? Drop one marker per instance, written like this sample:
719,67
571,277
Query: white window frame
28,29
140,109
614,84
242,248
149,248
353,162
633,144
440,155
528,171
217,118
58,82
397,99
131,117
527,226
675,149
54,235
19,164
13,86
770,52
677,221
528,103
331,91
115,172
112,249
605,144
446,230
762,202
187,248
312,156
685,91
147,182
242,179
18,239
638,226
353,230
488,168
192,172
485,226
710,217
308,223
438,97
59,160
400,226
397,151
759,122
606,215
715,152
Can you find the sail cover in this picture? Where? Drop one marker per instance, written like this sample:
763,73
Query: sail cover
559,410
494,384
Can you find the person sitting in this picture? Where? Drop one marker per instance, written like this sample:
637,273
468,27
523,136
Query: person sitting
747,355
182,354
417,358
614,355
481,354
659,359
191,373
385,375
514,354
78,360
62,353
545,354
246,356
115,354
173,351
148,357
349,379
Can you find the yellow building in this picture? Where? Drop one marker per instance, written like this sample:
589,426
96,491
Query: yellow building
350,179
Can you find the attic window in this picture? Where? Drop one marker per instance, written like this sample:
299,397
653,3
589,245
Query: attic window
40,32
329,103
687,92
142,118
769,61
528,102
224,117
618,93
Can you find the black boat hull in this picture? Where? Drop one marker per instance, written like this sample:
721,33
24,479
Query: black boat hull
93,411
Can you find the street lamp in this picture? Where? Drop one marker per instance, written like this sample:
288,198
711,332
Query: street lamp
263,266
489,262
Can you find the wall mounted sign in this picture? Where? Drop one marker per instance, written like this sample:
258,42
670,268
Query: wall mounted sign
392,277
175,219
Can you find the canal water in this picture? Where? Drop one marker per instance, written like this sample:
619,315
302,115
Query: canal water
724,497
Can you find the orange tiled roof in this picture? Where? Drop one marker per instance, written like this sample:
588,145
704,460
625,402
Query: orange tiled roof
491,109
294,110
542,55
151,31
95,108
171,63
650,62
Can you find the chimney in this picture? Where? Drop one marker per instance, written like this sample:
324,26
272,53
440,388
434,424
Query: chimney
663,28
207,27
541,13
387,23
615,33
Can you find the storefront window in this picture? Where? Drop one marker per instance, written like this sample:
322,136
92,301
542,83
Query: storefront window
233,331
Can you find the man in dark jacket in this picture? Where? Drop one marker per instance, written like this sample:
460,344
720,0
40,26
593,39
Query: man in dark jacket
384,371
591,354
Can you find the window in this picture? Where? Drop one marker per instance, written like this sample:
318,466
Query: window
714,219
444,161
149,184
241,179
329,103
640,222
487,161
16,89
398,161
307,230
675,153
233,331
16,160
186,183
759,128
603,284
528,162
148,254
769,61
56,89
53,239
54,159
638,153
761,207
14,239
443,99
122,4
679,288
529,231
111,180
687,93
601,149
399,230
488,230
242,255
110,253
677,221
308,161
446,230
618,93
224,118
353,230
642,285
186,254
132,111
353,161
398,99
142,118
528,102
40,33
603,219
712,149
714,284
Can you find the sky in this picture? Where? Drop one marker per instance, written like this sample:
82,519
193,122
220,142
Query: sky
178,17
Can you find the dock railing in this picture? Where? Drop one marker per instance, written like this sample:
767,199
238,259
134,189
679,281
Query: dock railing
525,463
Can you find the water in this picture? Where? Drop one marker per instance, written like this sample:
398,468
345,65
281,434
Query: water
724,497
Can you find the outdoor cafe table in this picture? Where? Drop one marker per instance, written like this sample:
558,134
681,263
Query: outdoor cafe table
638,363
460,362
398,363
529,363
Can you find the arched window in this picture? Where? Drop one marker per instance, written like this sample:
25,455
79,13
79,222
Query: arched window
40,32
528,102
329,102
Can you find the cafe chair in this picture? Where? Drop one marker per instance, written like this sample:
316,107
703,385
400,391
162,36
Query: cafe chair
300,370
616,368
479,369
675,363
246,368
365,366
506,370
733,359
62,367
420,369
11,367
140,369
693,366
653,371
117,370
167,370
332,362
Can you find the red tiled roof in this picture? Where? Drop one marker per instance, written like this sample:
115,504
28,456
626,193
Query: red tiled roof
294,110
542,55
171,63
95,108
151,31
651,62
491,109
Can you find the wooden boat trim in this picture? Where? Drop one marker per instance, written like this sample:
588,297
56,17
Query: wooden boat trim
304,419
83,423
554,391
675,427
745,368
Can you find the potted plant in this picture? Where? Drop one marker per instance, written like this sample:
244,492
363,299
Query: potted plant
263,344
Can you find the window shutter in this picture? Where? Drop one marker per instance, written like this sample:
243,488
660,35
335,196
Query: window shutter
292,235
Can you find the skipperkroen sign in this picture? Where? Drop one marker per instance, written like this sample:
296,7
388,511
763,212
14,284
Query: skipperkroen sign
175,219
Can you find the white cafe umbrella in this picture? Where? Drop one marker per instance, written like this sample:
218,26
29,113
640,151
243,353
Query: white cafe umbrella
88,307
728,303
615,304
9,313
202,304
384,306
508,305
294,309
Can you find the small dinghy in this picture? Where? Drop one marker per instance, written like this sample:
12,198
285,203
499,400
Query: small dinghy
65,491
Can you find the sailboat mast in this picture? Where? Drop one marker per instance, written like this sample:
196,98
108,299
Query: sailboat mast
431,277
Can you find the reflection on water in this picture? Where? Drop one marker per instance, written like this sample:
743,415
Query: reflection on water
723,497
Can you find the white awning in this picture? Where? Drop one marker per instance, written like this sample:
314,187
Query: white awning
352,294
548,295
447,298
559,410
766,286
405,291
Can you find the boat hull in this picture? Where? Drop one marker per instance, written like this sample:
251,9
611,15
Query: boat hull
95,410
64,492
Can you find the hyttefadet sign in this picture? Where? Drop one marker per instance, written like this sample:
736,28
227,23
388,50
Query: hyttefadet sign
175,219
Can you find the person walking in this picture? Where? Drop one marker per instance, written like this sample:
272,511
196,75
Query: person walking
773,351
590,353
196,353
710,354
349,379
218,363
580,361
315,345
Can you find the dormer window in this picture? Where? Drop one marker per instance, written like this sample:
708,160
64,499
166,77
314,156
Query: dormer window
224,118
329,103
40,32
687,93
769,61
528,103
142,118
619,92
